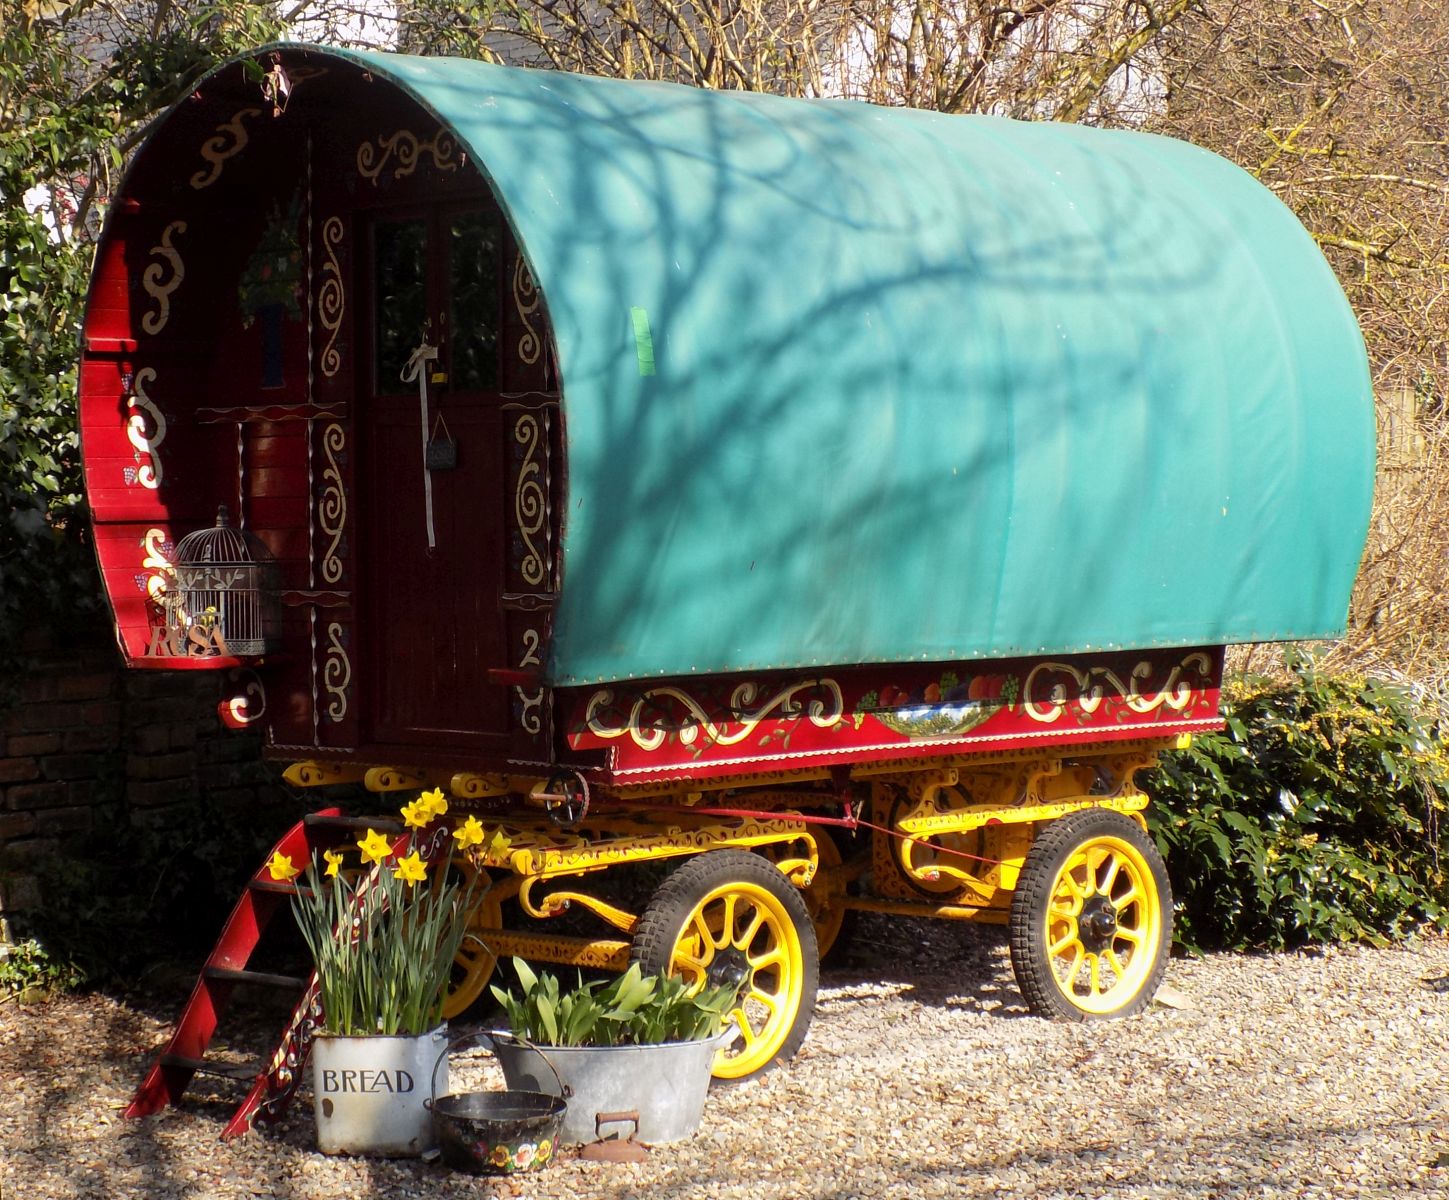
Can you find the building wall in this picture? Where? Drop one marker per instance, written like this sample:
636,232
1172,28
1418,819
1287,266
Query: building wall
83,741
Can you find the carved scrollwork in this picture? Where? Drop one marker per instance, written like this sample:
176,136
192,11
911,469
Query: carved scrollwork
145,430
526,301
825,710
332,506
405,150
336,673
163,277
332,297
229,140
530,499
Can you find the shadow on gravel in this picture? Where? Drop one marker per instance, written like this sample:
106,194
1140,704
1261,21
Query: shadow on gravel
944,964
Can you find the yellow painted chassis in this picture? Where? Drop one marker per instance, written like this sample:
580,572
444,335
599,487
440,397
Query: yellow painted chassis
943,837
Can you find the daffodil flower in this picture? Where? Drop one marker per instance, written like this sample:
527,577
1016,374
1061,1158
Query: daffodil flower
417,814
281,868
411,869
470,833
334,861
498,843
436,802
374,847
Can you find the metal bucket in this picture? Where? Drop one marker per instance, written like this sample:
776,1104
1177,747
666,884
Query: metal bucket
495,1133
367,1093
665,1084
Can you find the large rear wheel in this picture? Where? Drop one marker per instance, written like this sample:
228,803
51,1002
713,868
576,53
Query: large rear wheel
728,916
1091,918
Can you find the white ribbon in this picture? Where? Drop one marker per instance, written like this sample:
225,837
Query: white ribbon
416,368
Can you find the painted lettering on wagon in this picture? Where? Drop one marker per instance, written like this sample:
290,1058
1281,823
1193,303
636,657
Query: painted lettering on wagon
367,1082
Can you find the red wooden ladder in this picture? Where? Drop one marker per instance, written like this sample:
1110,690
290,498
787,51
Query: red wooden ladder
274,1082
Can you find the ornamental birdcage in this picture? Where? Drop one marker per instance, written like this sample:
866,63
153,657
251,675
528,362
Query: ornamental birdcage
227,582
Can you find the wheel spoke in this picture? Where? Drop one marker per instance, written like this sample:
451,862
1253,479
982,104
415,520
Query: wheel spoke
1114,864
744,940
1073,965
747,1031
1094,974
1128,898
772,957
1116,964
1131,933
1066,942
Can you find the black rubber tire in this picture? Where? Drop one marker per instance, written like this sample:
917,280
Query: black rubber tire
703,882
1031,903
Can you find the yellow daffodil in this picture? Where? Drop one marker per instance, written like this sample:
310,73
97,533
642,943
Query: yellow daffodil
497,844
281,867
334,861
417,814
435,800
469,833
411,870
374,847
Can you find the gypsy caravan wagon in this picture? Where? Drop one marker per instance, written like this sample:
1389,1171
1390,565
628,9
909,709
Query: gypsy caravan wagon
833,504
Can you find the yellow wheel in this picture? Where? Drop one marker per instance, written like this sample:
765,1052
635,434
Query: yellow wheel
473,964
1091,920
728,916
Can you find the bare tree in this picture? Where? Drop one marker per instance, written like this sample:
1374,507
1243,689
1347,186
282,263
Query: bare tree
1341,107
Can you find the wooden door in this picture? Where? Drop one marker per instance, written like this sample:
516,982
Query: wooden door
430,613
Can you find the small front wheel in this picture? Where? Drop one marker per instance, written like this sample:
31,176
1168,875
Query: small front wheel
730,916
1091,918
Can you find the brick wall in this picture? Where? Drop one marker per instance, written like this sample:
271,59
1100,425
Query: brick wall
81,736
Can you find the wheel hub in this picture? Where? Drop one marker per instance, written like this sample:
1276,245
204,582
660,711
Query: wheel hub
730,966
1097,924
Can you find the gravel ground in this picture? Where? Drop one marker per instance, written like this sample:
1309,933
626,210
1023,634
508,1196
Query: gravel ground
1316,1075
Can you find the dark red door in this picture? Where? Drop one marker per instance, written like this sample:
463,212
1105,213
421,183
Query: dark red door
433,540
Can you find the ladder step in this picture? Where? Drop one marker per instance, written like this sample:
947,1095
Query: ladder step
241,1072
261,978
355,824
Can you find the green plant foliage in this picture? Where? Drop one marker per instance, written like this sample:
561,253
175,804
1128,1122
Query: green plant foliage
631,1009
28,972
73,105
1315,817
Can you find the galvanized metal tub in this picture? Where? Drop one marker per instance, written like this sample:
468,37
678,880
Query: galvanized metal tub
665,1084
368,1093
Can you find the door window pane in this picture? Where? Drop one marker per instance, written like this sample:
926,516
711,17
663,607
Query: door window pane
400,284
473,285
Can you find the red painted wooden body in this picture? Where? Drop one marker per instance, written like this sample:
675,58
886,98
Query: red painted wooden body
260,287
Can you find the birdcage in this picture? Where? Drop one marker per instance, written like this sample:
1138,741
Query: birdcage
227,581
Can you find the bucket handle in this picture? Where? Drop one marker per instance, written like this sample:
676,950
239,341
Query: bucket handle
488,1035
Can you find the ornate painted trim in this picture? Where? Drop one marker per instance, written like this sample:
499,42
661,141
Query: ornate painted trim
1045,701
336,673
248,705
530,499
230,140
826,710
155,278
332,505
372,159
332,296
145,430
526,301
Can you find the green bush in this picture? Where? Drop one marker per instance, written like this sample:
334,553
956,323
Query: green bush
1313,818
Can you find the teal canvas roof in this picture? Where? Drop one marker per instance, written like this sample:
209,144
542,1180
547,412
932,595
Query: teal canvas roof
849,384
